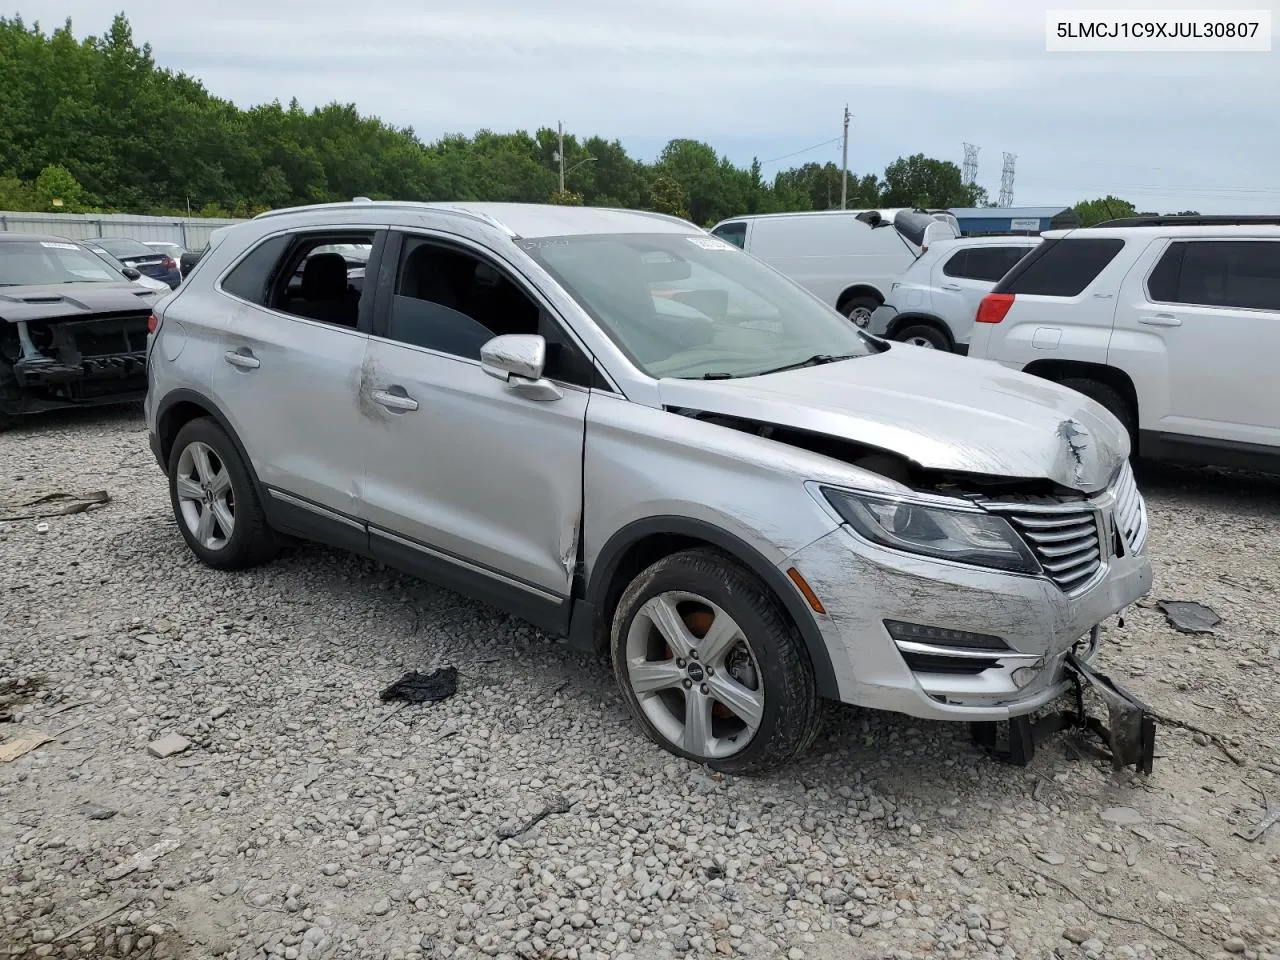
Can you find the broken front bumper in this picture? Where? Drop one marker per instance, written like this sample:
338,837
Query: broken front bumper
867,590
48,365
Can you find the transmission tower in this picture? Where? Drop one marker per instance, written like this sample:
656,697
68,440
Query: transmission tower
970,164
1006,180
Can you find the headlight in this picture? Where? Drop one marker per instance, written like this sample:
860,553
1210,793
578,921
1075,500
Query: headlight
963,536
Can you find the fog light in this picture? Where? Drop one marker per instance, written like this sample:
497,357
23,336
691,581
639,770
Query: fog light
942,636
1023,676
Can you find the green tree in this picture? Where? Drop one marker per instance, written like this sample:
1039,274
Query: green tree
56,190
1093,212
667,196
920,181
566,198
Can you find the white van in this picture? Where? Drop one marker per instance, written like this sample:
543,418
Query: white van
848,258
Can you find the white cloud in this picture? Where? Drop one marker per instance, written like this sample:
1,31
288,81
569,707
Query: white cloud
756,77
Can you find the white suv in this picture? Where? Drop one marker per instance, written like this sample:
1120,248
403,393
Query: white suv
934,301
1171,323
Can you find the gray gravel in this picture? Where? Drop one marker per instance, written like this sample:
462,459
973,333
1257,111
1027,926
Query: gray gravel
306,819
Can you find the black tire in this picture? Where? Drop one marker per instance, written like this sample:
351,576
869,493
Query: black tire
1110,398
935,338
851,307
790,718
252,542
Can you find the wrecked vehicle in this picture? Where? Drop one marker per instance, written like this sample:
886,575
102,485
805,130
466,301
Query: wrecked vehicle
631,433
73,330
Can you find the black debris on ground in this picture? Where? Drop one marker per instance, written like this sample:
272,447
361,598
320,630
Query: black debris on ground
1189,617
415,687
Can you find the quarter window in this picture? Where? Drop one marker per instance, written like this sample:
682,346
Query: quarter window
735,233
988,264
1061,268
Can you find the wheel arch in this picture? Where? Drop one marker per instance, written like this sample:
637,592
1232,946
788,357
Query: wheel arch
644,542
858,290
1113,377
904,320
178,409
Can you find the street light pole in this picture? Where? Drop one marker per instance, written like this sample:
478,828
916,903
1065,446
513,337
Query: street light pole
560,153
844,162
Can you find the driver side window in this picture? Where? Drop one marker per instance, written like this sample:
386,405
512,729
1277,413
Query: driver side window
454,302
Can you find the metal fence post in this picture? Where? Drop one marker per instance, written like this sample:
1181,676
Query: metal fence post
182,225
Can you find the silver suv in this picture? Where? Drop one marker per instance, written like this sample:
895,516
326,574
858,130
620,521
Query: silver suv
749,503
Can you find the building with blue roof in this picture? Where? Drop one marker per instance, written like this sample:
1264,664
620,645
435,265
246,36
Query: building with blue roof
984,221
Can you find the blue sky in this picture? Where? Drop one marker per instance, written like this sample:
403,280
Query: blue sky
763,79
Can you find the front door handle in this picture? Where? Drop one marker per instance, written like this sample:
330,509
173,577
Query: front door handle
1161,320
399,401
243,360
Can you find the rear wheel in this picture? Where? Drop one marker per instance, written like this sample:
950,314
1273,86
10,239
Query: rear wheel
214,500
710,666
1112,399
860,309
923,335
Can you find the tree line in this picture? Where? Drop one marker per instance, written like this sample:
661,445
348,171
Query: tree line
94,125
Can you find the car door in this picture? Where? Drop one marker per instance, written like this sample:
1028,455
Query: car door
469,480
288,373
1201,328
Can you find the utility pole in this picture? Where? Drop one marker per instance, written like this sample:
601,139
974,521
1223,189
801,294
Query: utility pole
560,153
844,162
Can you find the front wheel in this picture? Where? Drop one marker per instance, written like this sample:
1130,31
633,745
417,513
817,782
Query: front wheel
214,500
710,666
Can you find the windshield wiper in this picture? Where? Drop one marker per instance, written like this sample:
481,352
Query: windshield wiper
817,360
717,376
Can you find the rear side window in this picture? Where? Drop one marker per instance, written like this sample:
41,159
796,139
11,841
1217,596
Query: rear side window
248,279
735,233
1061,268
983,263
1244,274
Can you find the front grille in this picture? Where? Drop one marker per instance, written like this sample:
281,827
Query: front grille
1131,512
1066,544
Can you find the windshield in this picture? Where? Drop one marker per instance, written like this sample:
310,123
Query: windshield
34,262
121,247
694,306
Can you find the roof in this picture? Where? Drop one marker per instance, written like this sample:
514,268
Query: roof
37,237
1002,213
887,213
1270,232
528,220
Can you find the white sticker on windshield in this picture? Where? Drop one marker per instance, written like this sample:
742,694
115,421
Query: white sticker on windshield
58,246
710,243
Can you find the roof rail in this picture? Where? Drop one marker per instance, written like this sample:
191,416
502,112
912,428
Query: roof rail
1248,220
362,203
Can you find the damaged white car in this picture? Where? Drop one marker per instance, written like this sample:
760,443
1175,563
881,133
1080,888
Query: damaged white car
631,433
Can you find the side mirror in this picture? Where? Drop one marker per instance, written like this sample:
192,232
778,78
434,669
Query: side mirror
518,359
131,274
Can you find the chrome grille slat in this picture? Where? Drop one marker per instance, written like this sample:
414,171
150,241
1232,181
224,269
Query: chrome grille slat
1063,534
1085,558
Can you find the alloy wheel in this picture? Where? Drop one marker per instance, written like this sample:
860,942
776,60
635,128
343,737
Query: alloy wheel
205,497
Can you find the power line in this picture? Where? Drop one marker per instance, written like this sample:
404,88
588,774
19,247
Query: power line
788,156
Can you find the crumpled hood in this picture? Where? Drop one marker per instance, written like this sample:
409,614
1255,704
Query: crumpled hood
73,301
939,410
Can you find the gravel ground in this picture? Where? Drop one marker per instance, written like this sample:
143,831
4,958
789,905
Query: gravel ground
308,819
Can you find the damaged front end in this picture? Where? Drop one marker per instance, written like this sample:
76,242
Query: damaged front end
52,363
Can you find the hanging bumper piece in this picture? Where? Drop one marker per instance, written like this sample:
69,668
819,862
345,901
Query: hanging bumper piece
1129,732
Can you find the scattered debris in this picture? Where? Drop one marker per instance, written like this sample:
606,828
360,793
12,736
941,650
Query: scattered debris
217,713
1188,617
55,505
95,812
144,861
1124,816
556,806
21,743
105,915
168,746
415,687
1270,818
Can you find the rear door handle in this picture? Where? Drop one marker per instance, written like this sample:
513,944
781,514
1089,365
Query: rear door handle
244,360
952,286
1161,320
400,400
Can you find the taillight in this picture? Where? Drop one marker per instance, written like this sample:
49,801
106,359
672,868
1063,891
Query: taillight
169,263
994,307
153,324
